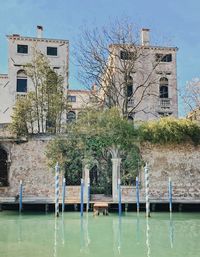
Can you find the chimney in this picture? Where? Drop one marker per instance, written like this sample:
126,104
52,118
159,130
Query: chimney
145,37
94,87
39,31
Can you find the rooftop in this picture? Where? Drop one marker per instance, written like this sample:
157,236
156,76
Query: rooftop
18,37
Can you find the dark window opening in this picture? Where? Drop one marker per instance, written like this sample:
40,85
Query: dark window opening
71,116
22,49
52,51
21,85
165,114
71,98
3,168
129,90
164,92
164,88
163,57
125,55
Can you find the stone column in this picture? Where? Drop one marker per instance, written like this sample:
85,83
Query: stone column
86,177
115,175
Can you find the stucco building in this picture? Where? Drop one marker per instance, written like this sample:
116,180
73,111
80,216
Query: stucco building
20,52
142,79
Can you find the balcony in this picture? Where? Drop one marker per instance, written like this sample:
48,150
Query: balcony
164,103
131,103
20,95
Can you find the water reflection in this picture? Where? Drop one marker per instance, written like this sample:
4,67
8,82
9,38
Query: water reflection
119,234
138,228
148,237
131,235
63,230
84,235
171,231
19,230
117,230
55,237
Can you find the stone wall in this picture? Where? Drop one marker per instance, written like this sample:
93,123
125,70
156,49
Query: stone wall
182,163
29,164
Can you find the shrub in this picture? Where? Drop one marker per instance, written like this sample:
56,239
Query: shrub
169,130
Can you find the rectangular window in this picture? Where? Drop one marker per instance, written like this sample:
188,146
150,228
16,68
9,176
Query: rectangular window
71,98
22,49
53,51
163,57
22,85
129,90
126,55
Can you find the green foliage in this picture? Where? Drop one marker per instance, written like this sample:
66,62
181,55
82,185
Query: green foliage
41,109
91,138
170,130
96,133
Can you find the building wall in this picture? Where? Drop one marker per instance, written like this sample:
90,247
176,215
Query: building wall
16,61
151,105
5,99
182,163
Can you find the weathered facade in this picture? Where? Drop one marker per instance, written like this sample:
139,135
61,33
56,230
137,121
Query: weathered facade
21,51
27,162
142,78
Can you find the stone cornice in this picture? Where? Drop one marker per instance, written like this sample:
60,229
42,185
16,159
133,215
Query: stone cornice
18,37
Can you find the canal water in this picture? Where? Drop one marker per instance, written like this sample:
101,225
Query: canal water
41,235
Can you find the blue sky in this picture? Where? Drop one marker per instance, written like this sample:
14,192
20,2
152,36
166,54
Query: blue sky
172,22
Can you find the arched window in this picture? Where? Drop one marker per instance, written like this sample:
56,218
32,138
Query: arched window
71,116
129,88
164,88
3,168
21,82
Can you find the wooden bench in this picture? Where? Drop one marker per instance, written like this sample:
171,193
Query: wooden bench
100,207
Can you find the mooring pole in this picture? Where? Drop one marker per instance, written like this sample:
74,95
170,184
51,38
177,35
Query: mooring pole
119,198
57,168
20,196
137,195
170,194
82,194
63,194
147,190
88,198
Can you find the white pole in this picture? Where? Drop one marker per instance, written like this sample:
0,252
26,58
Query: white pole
170,195
147,190
88,196
63,194
57,168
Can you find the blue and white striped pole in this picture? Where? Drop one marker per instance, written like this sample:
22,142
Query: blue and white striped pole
63,194
137,195
170,194
147,190
82,195
57,168
20,196
88,197
119,197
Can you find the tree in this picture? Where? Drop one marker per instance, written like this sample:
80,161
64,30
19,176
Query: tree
191,97
122,69
42,109
93,137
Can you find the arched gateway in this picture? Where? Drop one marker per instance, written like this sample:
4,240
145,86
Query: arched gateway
3,168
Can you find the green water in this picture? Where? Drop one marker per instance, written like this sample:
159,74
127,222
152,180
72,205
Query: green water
40,235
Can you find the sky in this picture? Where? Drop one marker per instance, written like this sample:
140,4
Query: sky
171,22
